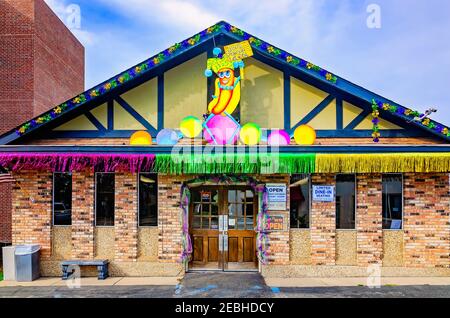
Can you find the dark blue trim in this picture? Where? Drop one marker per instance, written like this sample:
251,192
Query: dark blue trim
94,121
219,150
136,115
320,134
111,115
339,114
355,122
287,102
160,102
316,111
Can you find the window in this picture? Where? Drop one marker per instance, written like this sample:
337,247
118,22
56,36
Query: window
148,199
241,210
300,200
104,203
392,201
345,201
62,199
206,209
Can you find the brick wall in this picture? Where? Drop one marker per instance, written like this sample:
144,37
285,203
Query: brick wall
369,219
279,240
169,221
42,65
32,217
83,215
323,225
426,220
5,213
126,217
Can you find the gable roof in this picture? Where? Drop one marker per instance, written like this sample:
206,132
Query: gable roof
378,102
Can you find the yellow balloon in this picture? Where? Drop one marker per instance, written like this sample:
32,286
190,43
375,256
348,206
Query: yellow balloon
141,138
191,127
305,135
250,134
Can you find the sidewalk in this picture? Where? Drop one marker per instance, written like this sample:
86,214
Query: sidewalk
271,282
93,281
356,281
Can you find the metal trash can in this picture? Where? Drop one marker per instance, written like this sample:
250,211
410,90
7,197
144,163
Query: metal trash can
27,262
9,263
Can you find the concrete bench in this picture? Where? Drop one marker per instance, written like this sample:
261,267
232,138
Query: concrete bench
102,267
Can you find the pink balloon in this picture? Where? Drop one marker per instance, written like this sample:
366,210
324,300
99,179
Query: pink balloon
224,130
279,138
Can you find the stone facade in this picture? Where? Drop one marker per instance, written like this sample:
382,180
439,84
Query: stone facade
320,249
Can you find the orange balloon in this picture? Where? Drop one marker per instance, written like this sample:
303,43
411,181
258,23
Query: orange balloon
141,138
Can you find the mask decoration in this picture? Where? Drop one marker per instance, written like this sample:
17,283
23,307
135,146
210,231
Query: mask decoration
227,86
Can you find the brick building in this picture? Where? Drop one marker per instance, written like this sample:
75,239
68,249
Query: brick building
41,64
370,192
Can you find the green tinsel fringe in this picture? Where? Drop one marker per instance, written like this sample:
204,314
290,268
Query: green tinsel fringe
235,163
383,163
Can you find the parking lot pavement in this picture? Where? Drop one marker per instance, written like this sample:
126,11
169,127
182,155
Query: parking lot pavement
216,285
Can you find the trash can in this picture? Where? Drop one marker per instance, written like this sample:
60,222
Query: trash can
27,262
9,264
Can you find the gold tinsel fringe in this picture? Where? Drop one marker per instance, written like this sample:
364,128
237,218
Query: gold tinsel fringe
385,163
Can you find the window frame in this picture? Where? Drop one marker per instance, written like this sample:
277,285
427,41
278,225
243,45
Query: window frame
309,205
356,200
53,199
138,201
403,200
95,200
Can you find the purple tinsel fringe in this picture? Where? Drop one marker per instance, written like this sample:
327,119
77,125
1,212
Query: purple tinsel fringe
77,162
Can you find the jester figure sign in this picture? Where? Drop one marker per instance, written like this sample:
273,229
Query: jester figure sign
227,85
220,127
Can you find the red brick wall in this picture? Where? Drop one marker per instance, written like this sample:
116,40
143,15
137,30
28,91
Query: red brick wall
126,218
5,213
323,225
32,210
369,219
83,217
41,65
426,220
58,61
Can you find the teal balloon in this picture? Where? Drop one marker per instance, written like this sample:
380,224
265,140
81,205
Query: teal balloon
167,137
217,51
208,73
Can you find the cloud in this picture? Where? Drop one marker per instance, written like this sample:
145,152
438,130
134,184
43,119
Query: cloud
175,13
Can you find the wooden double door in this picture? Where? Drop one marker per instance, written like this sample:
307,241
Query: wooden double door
222,227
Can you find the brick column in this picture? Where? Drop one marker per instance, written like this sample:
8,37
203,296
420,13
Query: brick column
169,217
426,220
126,218
369,219
32,210
83,218
323,225
278,240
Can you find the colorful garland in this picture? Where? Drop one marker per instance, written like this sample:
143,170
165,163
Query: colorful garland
409,115
76,162
280,54
375,122
156,60
263,215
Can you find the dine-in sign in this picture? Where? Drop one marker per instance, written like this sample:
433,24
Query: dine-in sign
277,197
323,193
